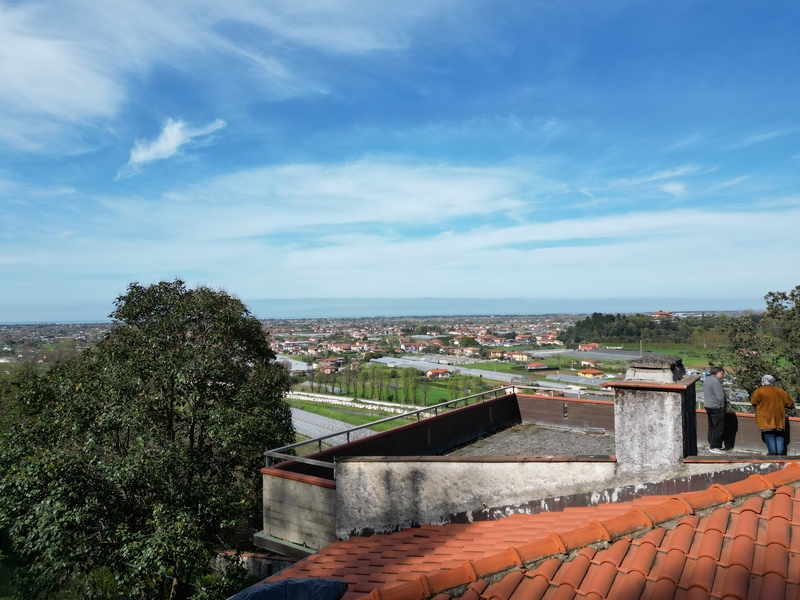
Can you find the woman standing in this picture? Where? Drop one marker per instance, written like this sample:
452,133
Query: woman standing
771,403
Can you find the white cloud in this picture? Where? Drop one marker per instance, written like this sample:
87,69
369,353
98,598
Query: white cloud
300,196
395,230
70,63
348,26
766,136
660,175
674,188
173,136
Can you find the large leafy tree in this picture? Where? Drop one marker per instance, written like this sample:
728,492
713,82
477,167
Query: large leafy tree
141,456
765,343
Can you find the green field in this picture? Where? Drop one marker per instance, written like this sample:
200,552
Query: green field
354,415
691,355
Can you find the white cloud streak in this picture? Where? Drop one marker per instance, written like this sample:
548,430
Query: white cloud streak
68,63
173,136
295,230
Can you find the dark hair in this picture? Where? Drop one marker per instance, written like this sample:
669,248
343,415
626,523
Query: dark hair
715,370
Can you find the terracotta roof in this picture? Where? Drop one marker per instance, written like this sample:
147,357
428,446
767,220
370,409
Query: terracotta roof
738,541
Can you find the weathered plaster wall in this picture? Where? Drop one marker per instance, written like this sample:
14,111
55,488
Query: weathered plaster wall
299,512
376,495
649,431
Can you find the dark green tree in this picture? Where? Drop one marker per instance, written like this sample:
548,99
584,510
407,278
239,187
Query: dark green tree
468,342
143,454
765,343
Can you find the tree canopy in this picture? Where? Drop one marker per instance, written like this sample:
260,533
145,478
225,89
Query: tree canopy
141,456
765,343
634,328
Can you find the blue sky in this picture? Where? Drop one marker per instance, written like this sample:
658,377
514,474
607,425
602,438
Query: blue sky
431,148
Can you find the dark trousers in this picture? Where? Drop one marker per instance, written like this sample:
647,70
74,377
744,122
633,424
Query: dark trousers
716,423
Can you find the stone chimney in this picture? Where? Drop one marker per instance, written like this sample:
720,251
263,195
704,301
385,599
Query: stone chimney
654,415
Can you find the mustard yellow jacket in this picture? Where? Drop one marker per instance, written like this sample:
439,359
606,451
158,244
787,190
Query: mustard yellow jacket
771,403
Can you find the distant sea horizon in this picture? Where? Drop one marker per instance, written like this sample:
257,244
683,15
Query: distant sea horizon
308,308
352,308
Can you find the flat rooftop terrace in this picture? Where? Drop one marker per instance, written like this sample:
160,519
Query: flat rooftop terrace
527,439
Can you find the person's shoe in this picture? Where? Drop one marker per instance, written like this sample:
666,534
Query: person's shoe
716,450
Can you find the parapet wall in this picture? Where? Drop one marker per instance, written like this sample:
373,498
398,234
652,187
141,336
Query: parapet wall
300,510
383,494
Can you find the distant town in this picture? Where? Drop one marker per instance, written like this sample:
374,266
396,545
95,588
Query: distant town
511,337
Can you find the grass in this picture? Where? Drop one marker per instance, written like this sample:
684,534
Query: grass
689,354
352,415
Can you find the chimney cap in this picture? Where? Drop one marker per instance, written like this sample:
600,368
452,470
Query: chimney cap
656,361
663,368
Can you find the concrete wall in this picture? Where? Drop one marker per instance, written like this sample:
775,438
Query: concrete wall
649,433
571,413
741,430
300,510
379,495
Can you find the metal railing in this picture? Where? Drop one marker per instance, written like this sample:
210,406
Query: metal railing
282,453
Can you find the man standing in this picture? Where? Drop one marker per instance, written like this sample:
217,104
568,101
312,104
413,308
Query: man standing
771,403
715,402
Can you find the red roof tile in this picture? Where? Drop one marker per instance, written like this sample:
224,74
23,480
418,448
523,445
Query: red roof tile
736,541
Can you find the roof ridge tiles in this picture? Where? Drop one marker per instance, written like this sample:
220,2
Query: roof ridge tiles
723,489
682,498
604,531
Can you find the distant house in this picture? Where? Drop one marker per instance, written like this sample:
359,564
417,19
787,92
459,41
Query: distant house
438,373
414,347
661,315
594,373
591,364
536,366
586,347
330,365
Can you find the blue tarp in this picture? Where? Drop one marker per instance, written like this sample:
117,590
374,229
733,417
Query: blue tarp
294,589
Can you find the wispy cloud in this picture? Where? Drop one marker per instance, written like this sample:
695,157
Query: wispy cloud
659,175
173,136
760,138
674,188
74,63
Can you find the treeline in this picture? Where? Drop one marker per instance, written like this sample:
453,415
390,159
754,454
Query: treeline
634,328
405,385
